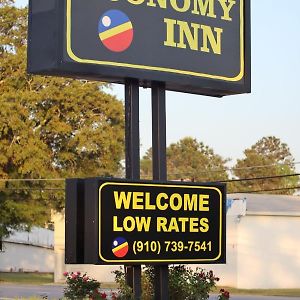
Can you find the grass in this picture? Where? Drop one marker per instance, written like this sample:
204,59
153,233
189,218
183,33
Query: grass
26,278
262,292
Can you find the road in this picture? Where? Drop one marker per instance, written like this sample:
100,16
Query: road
12,291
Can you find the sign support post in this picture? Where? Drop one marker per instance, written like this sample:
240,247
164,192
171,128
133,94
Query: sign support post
159,167
132,150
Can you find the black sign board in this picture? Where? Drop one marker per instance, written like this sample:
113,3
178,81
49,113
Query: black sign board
195,46
147,222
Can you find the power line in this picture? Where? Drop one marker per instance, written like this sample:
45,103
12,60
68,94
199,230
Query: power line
32,189
233,169
257,178
234,192
265,166
188,173
260,178
269,190
33,179
222,181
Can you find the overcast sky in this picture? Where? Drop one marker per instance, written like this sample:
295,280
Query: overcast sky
231,124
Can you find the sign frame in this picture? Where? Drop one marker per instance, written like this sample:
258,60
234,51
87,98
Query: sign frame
92,223
51,57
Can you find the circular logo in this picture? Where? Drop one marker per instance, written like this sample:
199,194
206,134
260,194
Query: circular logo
115,30
119,247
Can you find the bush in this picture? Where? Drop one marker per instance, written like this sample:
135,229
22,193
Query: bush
224,295
184,284
124,291
81,286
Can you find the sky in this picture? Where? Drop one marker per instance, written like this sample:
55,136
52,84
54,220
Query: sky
231,124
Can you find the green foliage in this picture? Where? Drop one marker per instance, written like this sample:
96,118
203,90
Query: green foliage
148,279
49,128
187,284
277,159
189,159
224,295
80,286
192,160
184,284
124,291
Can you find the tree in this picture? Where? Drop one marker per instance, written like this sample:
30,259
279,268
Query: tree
49,128
189,159
269,157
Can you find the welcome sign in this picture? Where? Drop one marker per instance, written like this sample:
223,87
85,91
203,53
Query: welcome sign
196,46
147,222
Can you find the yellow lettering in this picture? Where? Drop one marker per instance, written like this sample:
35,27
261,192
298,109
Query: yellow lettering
122,198
184,8
161,3
208,37
116,228
227,6
205,8
183,222
148,205
137,200
204,203
185,32
194,225
129,224
173,226
161,224
136,2
175,206
190,203
158,201
204,225
143,223
170,32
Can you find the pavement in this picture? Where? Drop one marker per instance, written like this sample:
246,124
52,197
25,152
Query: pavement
13,292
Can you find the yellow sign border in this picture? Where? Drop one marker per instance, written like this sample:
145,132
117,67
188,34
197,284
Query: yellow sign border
163,260
160,69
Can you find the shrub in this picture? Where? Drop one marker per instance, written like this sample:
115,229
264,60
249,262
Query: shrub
184,284
187,284
224,295
81,286
124,291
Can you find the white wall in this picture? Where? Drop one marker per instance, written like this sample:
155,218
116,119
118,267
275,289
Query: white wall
100,273
262,252
227,272
268,252
36,236
26,257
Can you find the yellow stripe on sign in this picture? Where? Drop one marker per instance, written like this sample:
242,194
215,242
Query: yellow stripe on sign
120,247
116,30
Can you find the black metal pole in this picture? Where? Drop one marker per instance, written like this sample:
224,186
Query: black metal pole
159,167
132,152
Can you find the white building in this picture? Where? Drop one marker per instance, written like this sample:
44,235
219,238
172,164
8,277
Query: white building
28,251
263,242
101,273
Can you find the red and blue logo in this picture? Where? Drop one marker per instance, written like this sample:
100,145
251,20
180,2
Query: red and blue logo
115,30
119,247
